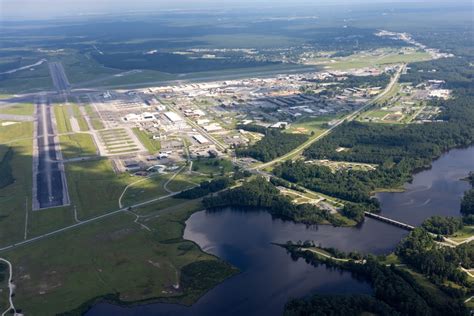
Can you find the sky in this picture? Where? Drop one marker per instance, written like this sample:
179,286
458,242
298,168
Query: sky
42,9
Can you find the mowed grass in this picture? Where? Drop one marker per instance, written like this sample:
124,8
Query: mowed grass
94,188
94,118
15,198
62,119
310,125
18,131
212,166
114,256
77,145
117,140
4,291
80,119
153,146
462,234
361,61
146,189
18,109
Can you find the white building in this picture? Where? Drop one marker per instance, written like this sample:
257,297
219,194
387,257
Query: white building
200,139
173,117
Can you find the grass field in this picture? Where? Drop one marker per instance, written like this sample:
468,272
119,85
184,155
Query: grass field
4,291
15,199
465,232
117,140
80,119
80,265
310,125
146,189
62,119
18,109
77,145
94,118
212,166
361,61
16,131
153,146
94,188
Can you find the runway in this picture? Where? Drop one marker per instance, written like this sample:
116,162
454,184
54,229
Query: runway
60,81
49,179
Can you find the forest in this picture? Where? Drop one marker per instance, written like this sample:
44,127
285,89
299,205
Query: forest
359,81
261,194
395,291
275,143
350,185
172,63
443,225
205,188
338,305
419,250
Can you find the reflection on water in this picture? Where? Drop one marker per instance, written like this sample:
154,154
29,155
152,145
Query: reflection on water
437,191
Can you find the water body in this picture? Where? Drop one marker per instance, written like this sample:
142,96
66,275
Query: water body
270,277
437,191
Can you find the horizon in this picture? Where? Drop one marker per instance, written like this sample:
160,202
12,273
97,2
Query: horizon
17,10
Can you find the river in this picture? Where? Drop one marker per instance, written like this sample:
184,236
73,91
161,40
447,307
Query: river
269,277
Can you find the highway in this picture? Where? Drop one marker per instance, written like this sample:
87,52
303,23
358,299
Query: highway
49,179
348,118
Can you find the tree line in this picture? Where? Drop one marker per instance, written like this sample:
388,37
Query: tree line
261,194
275,143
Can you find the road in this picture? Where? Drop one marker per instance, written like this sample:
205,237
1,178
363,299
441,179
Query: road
348,118
49,178
11,288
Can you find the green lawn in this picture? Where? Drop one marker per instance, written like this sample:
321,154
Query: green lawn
77,145
15,198
146,189
114,255
62,119
153,146
94,118
361,61
94,188
212,166
307,125
465,232
4,291
80,119
16,131
18,109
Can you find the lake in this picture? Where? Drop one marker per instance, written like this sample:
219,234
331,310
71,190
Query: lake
269,277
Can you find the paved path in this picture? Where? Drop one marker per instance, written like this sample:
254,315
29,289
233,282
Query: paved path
331,257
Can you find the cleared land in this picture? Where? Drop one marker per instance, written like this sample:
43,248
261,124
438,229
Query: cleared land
80,265
77,145
15,199
117,141
96,122
153,146
18,109
62,119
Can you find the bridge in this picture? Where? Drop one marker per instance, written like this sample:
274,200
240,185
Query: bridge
389,221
